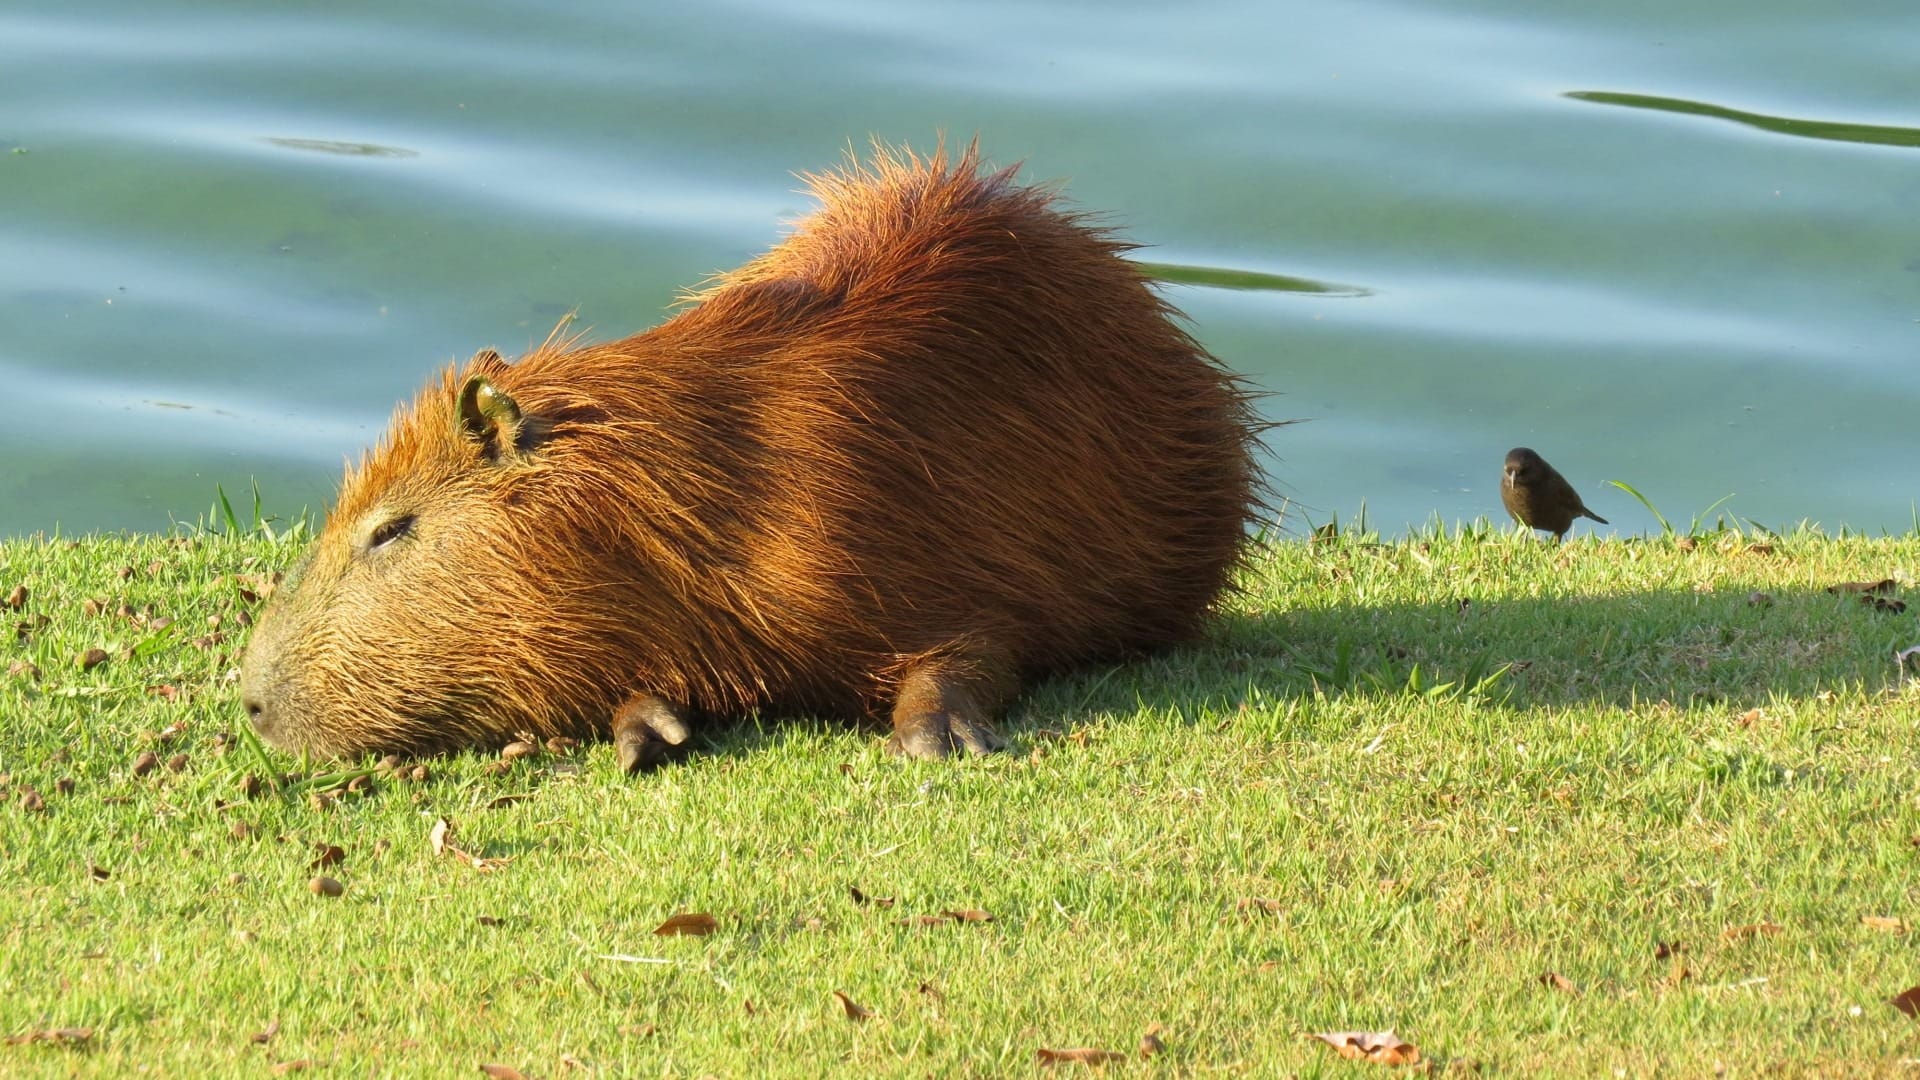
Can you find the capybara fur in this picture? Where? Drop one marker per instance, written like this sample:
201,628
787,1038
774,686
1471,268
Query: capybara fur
941,440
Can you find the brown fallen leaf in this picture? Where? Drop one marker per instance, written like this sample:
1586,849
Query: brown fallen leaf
92,658
1677,974
854,1010
1560,982
1748,718
1079,1055
1150,1044
1379,1047
16,599
296,1065
145,763
572,1062
503,1072
1884,923
1686,543
1762,548
923,921
967,915
329,855
1907,1001
638,1031
501,802
688,923
1884,605
1664,949
1751,930
1884,585
438,836
1258,903
863,899
266,1035
519,748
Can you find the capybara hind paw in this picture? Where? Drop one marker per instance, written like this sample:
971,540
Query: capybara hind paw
946,699
647,731
937,735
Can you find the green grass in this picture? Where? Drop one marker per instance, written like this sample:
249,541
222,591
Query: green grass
1427,831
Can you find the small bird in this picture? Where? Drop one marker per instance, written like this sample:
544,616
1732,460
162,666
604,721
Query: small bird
1537,495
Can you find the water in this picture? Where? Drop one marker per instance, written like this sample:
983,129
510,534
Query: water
1668,244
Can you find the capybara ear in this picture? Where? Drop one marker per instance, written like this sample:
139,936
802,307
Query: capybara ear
487,362
491,418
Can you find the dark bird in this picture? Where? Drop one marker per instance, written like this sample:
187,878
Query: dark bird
1538,496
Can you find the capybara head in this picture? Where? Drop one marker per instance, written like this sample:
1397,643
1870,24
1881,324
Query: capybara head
942,438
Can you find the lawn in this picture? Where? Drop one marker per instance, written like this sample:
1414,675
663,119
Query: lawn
1619,807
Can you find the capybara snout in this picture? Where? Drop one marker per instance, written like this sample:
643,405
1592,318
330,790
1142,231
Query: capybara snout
941,440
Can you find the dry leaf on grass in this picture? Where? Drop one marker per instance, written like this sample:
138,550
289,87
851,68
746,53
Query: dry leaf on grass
266,1036
1884,923
438,836
967,915
296,1065
688,923
1664,949
329,855
863,899
1379,1047
1751,930
1150,1044
572,1062
854,1010
1748,718
1560,982
503,1072
1252,905
1907,1001
1079,1055
1884,585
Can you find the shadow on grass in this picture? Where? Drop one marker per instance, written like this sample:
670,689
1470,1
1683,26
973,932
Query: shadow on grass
1588,651
1613,651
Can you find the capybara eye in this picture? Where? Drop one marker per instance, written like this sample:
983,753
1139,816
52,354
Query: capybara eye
390,530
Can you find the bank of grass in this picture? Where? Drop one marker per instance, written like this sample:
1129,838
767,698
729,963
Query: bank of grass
1404,786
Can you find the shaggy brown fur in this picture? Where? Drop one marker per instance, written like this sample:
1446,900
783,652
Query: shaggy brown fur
940,440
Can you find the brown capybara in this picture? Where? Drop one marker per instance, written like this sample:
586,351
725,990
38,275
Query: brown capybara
941,440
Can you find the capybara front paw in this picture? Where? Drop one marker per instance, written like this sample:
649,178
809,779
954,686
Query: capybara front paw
647,731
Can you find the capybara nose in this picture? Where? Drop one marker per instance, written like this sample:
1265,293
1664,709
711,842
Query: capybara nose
257,712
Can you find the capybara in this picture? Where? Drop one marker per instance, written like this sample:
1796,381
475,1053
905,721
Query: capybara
941,440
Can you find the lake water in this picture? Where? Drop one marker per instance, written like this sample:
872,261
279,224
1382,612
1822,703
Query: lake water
1673,244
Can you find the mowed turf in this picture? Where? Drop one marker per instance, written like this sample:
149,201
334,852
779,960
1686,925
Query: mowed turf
1616,807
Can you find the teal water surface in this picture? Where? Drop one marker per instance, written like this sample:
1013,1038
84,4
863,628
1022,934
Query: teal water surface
1668,244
